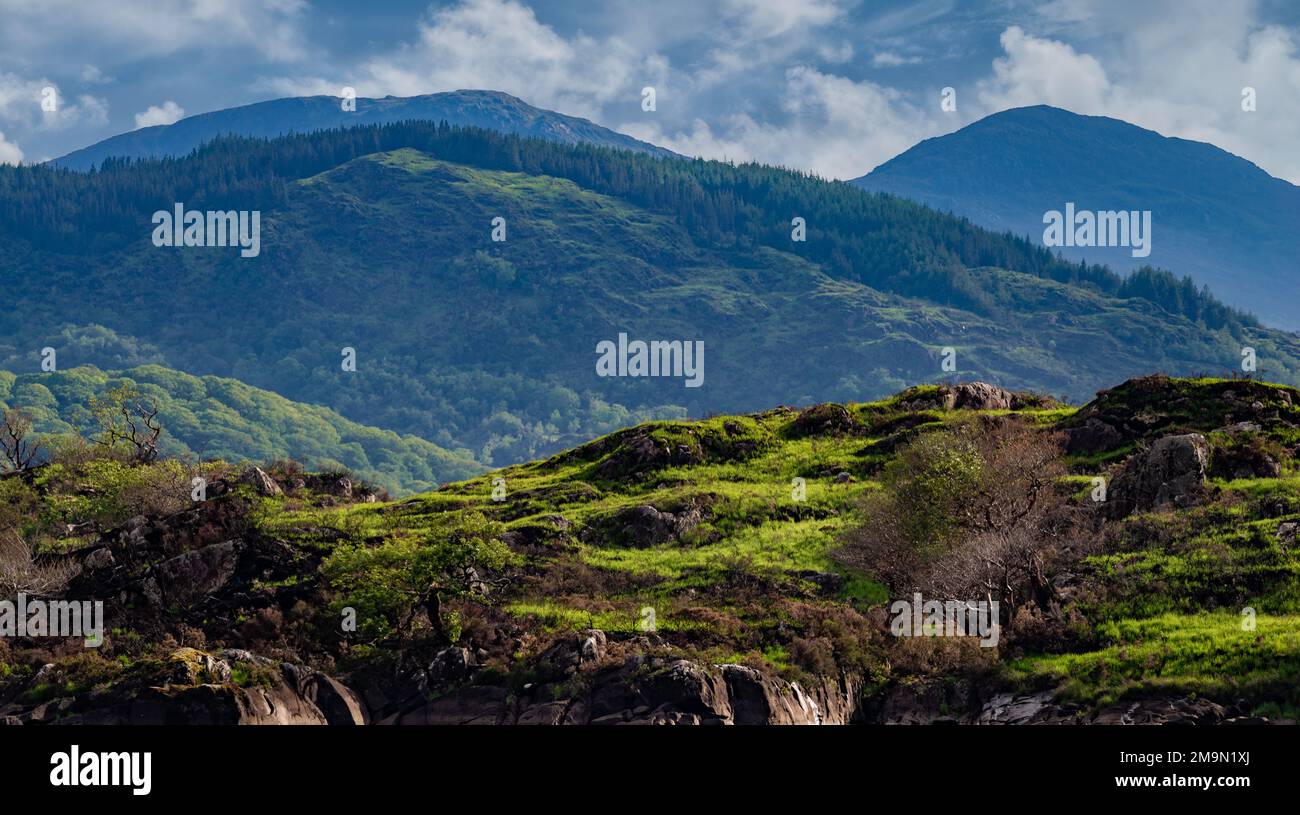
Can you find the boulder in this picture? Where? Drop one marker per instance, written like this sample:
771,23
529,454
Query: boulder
637,451
593,646
1244,461
450,665
190,666
965,396
571,652
757,698
547,713
641,527
196,687
339,704
646,526
1162,711
260,481
687,687
1286,533
99,559
1094,436
188,578
1009,708
473,705
827,419
1171,473
980,396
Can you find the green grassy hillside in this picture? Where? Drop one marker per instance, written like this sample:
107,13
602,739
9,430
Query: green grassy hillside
746,567
215,418
731,541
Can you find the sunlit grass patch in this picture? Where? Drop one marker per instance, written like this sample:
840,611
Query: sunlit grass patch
1206,654
625,617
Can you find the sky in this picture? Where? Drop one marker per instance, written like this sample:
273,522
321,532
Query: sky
834,87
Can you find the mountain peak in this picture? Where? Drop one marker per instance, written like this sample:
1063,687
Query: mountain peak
1008,169
489,109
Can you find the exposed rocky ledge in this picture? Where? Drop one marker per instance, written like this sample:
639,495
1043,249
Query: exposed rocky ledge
237,687
648,690
195,687
961,703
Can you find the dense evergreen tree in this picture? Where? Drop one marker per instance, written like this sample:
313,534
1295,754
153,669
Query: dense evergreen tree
882,241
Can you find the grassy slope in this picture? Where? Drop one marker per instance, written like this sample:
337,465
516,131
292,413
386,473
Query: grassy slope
214,418
1162,609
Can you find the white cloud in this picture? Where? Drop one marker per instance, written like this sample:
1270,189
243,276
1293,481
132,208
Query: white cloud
134,29
833,126
21,106
772,18
500,45
167,114
760,79
92,75
10,153
1034,70
1179,74
889,59
837,54
91,110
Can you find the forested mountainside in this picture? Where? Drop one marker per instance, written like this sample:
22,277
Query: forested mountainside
214,418
379,239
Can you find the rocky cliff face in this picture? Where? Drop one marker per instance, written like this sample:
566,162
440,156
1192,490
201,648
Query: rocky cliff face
193,687
236,687
647,690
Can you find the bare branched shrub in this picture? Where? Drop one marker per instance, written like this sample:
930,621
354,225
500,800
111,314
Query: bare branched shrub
125,418
17,447
159,489
972,513
23,571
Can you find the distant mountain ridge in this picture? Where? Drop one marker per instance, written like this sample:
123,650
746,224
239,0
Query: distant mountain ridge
1216,217
379,238
492,110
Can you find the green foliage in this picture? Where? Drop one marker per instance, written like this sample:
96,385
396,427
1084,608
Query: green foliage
215,418
745,568
384,583
481,266
932,479
1176,654
928,255
106,491
487,347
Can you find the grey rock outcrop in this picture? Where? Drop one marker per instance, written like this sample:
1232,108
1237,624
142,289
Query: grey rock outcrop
233,687
1171,473
648,690
263,483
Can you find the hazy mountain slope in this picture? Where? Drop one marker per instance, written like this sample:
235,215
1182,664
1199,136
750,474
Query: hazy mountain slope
1215,216
216,418
493,110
